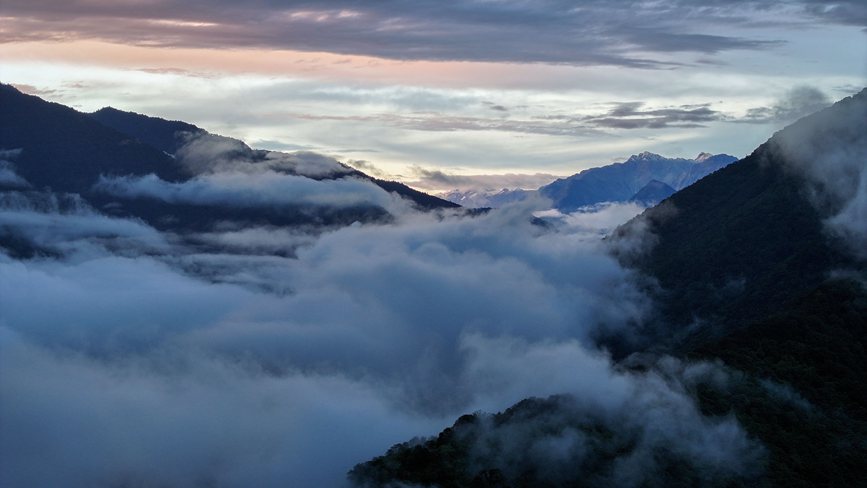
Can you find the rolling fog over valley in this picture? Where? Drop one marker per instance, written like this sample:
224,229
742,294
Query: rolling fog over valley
521,244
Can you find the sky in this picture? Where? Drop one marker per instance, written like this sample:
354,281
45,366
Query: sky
516,92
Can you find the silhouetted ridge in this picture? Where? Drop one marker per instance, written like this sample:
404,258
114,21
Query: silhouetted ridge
67,150
165,135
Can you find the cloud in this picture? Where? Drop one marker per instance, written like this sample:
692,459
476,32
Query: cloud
367,167
436,122
798,102
208,153
435,179
649,420
179,366
198,421
264,189
847,12
594,33
259,240
600,219
632,115
8,177
828,148
32,221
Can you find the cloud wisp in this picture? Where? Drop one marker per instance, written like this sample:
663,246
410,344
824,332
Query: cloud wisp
796,103
264,189
829,149
435,179
633,115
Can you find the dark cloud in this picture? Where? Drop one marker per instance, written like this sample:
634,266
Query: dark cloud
437,122
848,12
591,33
496,107
633,115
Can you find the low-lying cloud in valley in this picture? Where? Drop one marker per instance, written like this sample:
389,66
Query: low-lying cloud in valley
163,364
265,189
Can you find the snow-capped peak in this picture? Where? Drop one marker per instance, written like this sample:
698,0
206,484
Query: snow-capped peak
645,156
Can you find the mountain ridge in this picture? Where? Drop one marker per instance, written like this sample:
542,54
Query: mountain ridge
616,182
173,136
620,181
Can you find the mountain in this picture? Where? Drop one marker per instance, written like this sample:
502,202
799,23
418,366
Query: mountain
167,136
652,193
619,182
486,198
174,137
54,147
654,175
759,268
64,149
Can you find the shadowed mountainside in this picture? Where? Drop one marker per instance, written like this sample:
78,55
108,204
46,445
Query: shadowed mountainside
745,267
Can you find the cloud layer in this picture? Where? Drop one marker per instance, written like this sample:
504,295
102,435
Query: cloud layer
626,34
171,366
263,189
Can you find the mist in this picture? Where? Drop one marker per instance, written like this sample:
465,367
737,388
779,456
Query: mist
828,149
133,357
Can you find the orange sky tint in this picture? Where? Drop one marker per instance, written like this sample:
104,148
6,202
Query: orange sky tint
284,63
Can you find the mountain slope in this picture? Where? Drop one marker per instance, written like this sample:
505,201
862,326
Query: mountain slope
176,176
618,182
167,136
173,136
743,242
652,193
749,266
66,150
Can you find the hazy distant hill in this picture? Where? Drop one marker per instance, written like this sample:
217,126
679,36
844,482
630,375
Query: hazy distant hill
652,193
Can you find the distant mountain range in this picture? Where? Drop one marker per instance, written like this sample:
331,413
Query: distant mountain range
486,198
761,266
647,178
621,182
